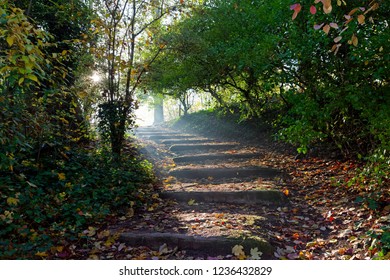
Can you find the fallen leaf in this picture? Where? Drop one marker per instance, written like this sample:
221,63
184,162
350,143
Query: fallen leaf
293,256
313,10
61,176
326,29
191,202
318,26
238,250
255,254
41,254
361,19
163,249
12,201
93,257
91,231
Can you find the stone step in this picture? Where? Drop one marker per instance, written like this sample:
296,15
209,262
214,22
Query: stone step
185,141
202,147
159,133
218,173
260,197
215,157
146,128
160,137
210,246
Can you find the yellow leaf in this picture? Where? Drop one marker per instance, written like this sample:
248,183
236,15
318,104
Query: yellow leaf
41,254
12,201
56,249
191,202
104,233
10,40
91,231
64,52
130,213
61,176
21,80
93,257
238,250
33,78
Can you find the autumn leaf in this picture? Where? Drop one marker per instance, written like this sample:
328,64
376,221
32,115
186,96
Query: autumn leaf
91,231
238,251
361,19
103,234
297,8
335,48
318,26
313,10
327,5
163,249
326,29
41,254
10,40
338,39
255,254
191,202
12,201
286,192
354,40
61,176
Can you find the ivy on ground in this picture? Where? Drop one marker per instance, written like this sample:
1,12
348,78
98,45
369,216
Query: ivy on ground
45,209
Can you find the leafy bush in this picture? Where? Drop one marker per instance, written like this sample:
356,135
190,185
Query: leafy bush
43,208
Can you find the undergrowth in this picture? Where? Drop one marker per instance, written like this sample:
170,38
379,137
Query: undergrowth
42,208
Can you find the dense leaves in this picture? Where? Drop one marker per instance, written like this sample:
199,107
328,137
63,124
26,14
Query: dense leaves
54,180
318,87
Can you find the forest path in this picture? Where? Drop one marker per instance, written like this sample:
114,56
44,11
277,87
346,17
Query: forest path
216,195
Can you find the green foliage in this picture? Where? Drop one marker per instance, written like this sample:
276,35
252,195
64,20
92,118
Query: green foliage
45,208
51,186
380,245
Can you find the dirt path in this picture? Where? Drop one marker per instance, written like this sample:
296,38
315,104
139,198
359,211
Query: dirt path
227,200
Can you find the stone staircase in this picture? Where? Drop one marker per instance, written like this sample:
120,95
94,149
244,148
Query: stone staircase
218,195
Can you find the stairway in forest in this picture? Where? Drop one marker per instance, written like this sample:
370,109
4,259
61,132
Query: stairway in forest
218,194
